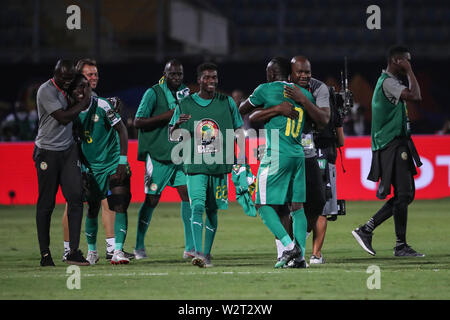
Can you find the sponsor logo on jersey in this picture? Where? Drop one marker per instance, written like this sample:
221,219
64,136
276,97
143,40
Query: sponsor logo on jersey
95,117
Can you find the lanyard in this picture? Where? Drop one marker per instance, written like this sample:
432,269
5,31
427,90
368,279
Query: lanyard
60,90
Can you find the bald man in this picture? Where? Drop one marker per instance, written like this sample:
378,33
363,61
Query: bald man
57,161
322,135
152,119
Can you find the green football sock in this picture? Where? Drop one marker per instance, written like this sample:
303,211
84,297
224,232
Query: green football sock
120,229
144,218
91,229
186,215
272,221
210,230
299,225
197,227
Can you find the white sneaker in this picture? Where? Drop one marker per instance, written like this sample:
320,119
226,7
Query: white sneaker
92,257
189,254
119,258
140,254
315,260
64,257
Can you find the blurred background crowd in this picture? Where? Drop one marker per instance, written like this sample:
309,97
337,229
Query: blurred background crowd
132,40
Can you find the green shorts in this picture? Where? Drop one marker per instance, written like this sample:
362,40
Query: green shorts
281,181
98,183
158,175
210,191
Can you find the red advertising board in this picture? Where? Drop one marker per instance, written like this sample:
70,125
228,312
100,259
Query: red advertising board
18,174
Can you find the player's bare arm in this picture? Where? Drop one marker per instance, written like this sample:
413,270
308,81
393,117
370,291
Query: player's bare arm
64,117
151,123
320,116
283,109
246,107
123,139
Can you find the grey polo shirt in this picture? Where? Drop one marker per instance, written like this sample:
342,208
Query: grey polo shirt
51,134
319,91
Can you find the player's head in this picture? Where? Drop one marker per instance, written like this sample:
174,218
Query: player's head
88,67
394,55
76,88
300,71
173,72
207,77
64,73
278,69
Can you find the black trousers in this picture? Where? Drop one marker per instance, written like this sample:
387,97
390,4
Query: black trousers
315,191
54,169
402,180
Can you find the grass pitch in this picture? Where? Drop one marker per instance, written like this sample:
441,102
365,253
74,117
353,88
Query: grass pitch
243,256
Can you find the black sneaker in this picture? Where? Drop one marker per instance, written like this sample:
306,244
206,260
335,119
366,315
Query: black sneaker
76,257
297,263
46,260
128,255
406,251
287,256
364,239
109,255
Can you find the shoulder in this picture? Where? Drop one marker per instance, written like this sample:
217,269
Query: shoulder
47,88
318,87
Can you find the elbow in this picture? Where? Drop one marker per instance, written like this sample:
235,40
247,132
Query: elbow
137,123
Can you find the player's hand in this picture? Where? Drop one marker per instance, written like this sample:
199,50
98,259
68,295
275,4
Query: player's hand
182,119
295,93
116,103
287,109
404,64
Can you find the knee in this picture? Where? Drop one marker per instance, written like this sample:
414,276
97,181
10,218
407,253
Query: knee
93,209
151,200
403,201
197,207
295,206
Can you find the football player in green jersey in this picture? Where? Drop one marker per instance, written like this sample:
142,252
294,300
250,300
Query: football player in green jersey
207,116
282,168
104,146
154,147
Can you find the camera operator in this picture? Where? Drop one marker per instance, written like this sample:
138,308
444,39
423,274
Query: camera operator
322,134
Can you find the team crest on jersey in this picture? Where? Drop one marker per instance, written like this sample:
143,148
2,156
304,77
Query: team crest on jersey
207,136
43,165
404,155
95,117
153,186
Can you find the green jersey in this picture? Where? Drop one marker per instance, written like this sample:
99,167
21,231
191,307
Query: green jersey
389,120
99,141
289,130
157,100
209,121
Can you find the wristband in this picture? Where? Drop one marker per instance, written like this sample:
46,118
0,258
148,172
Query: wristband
123,160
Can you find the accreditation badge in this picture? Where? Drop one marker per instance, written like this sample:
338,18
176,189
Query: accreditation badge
307,141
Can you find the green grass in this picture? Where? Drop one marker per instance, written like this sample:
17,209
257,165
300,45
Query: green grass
243,255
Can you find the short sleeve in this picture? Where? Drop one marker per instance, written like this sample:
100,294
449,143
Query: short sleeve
392,89
48,99
257,97
147,103
111,117
322,96
237,119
